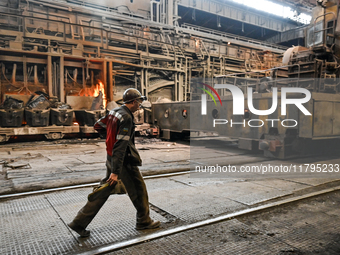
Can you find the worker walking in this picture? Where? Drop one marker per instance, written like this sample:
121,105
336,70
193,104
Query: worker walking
122,163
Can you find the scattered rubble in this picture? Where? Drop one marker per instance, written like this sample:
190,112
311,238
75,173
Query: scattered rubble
18,165
244,233
148,140
89,152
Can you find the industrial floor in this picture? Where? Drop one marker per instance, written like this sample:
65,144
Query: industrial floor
36,224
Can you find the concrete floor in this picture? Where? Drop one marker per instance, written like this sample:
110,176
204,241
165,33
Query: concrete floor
305,228
41,165
45,164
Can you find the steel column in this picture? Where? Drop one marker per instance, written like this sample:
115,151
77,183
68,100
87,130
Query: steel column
49,75
104,77
110,85
61,80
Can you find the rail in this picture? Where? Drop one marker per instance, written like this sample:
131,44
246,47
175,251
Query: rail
225,217
276,80
232,36
324,42
66,31
86,185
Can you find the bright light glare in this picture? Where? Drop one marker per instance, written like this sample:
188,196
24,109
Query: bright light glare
276,9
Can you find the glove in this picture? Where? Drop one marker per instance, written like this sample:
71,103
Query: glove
105,190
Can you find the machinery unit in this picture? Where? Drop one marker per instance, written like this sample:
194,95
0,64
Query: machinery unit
73,50
76,50
314,69
61,117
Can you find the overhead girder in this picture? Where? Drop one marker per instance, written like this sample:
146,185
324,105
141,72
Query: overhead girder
223,9
288,35
304,5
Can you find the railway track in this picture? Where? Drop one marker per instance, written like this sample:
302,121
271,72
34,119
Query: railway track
86,185
205,223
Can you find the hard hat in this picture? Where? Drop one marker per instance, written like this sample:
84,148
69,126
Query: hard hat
132,94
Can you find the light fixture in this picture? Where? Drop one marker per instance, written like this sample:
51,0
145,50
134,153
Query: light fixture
322,2
193,16
218,21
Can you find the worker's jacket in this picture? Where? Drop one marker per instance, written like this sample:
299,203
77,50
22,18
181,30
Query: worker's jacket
119,127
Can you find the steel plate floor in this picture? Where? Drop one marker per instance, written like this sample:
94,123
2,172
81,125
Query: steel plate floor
37,224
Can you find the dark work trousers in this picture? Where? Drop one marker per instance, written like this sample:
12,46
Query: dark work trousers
136,189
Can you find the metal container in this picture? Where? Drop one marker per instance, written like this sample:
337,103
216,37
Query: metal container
87,117
61,117
37,118
11,117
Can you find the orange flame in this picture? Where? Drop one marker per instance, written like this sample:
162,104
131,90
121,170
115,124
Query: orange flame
100,87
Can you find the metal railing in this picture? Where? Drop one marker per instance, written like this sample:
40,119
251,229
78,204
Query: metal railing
232,36
63,30
324,42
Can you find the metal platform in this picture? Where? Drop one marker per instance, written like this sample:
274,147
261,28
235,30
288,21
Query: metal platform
308,227
37,224
51,132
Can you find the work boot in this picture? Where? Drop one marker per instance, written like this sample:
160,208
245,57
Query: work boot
153,224
80,230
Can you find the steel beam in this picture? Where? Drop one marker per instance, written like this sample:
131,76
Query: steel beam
49,75
61,80
110,84
252,44
223,9
81,64
21,59
288,35
25,71
170,12
104,76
